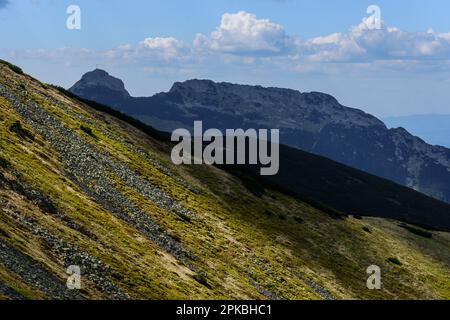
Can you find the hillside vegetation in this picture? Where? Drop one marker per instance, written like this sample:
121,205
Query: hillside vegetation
81,187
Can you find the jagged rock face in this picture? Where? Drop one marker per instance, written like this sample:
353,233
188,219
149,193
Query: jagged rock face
98,85
270,107
314,122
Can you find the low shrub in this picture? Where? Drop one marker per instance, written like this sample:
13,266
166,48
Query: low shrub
4,163
14,68
416,231
202,280
366,229
21,131
281,216
394,260
298,219
88,130
183,216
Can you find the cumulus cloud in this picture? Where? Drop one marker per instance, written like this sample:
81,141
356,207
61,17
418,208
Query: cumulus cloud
166,48
242,33
158,49
362,43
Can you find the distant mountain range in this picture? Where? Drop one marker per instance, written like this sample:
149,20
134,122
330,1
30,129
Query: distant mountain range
433,128
314,122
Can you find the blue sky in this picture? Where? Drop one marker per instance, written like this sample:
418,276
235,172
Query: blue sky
402,68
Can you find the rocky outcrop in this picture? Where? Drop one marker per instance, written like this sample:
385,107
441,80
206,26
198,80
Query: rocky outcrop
98,84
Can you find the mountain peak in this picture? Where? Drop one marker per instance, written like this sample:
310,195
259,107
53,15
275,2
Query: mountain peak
96,73
99,80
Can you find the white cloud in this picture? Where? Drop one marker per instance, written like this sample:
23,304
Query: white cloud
243,39
167,48
242,33
388,43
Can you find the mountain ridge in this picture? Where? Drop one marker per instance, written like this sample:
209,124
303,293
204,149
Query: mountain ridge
297,166
308,177
313,122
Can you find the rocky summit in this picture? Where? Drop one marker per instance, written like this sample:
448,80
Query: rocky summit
314,122
83,187
99,85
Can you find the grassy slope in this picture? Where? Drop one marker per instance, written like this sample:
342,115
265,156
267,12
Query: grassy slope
244,244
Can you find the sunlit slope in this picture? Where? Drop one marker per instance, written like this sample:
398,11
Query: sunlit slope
80,187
